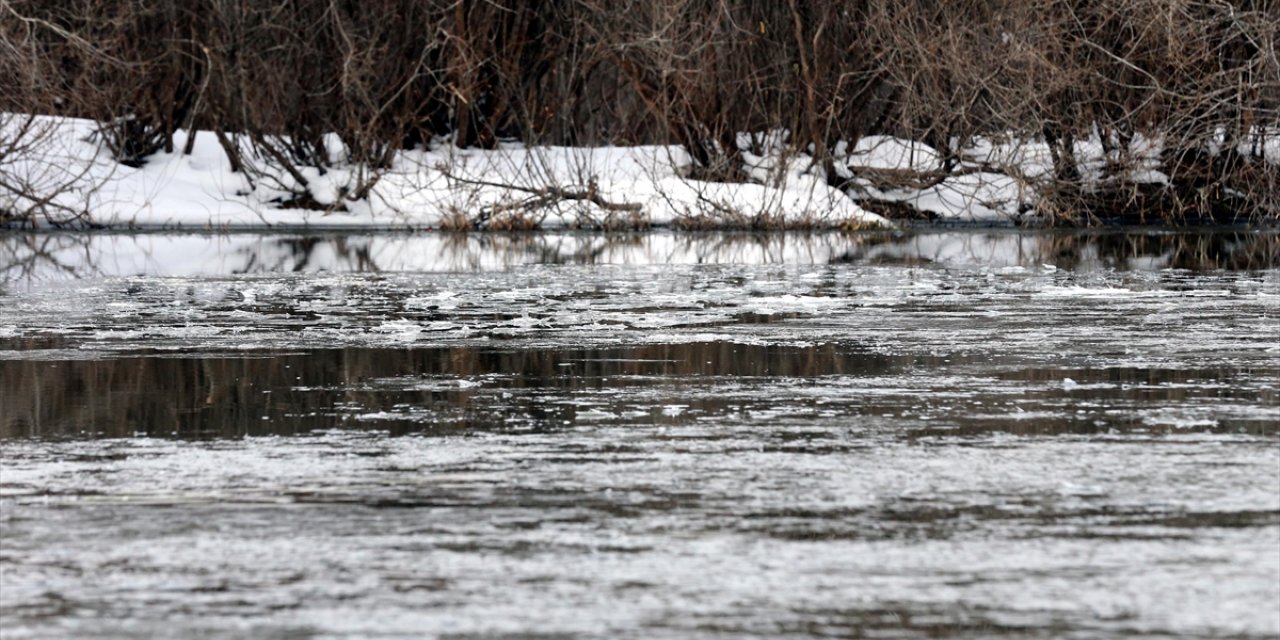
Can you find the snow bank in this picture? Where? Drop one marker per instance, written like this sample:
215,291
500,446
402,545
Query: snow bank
426,188
63,174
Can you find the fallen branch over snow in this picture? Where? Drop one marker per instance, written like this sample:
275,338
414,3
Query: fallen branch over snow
540,197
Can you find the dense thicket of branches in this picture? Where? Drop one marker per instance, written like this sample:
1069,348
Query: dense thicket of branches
275,77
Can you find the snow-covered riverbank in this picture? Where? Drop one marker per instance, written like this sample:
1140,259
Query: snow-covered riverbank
57,172
509,187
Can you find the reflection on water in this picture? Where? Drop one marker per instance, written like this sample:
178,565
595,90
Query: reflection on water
27,259
431,388
468,389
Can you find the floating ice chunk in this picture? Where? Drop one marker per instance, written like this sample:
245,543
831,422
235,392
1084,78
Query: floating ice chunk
1085,292
405,330
594,414
377,415
1176,419
443,300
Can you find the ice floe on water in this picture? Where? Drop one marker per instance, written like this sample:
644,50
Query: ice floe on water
681,532
976,434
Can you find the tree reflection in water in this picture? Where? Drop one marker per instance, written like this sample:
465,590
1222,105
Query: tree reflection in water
32,259
469,389
149,373
227,395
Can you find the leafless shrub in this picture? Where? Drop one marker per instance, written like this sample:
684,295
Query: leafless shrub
1101,84
38,177
1169,109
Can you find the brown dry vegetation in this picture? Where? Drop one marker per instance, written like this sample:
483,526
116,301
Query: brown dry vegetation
270,80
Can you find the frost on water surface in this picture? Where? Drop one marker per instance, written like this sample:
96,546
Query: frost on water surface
655,436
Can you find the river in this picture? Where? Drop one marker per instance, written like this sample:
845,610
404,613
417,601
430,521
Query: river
938,433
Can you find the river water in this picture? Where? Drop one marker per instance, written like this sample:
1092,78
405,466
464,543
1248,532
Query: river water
939,433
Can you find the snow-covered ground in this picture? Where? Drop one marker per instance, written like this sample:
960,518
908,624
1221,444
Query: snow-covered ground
424,188
65,174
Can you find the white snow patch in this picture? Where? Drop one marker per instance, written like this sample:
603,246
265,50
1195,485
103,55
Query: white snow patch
423,188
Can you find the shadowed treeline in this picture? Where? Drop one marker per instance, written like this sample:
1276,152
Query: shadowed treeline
271,80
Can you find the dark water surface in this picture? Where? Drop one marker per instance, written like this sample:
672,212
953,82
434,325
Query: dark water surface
946,433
